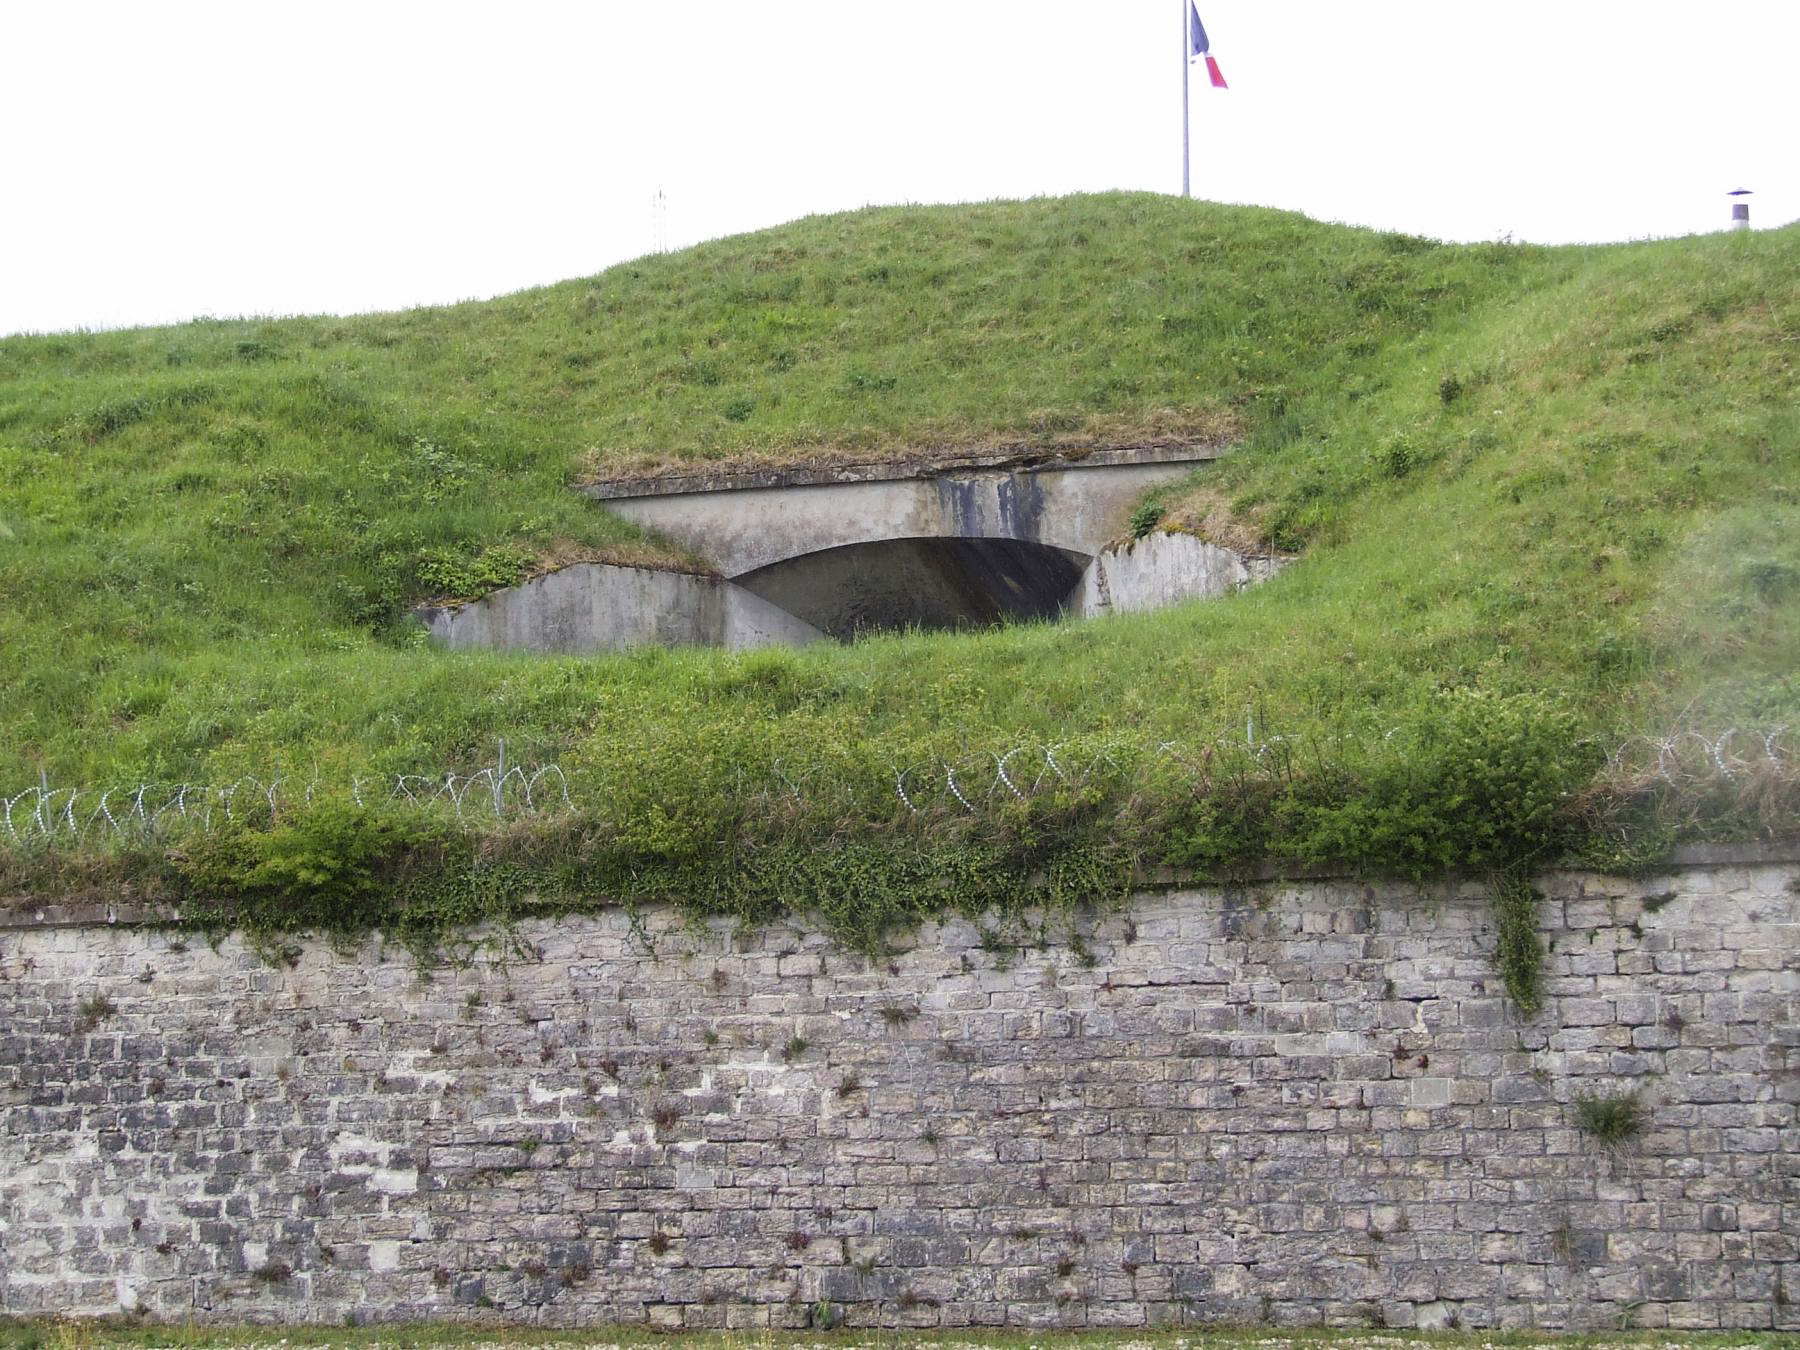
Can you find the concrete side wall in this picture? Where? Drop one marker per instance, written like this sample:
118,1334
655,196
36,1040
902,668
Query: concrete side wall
592,607
751,621
1304,1103
1163,569
1078,509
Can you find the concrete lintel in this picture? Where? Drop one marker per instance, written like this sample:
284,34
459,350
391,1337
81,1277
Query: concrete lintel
888,470
1077,505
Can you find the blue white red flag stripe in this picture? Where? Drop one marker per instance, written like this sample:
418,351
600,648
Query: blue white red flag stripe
1199,46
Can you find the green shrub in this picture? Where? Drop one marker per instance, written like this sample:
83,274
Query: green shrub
334,867
1146,516
460,573
1472,779
1398,457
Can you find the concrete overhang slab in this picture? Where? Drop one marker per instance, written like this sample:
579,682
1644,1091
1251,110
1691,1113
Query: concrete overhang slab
741,522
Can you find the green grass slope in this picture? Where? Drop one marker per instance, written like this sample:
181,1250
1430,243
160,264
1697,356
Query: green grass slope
1546,501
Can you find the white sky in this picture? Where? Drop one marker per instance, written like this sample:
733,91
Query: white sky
162,159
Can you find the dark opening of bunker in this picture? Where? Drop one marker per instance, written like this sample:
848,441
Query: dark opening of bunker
930,583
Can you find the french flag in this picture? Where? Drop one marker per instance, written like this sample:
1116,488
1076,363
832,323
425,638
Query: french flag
1199,46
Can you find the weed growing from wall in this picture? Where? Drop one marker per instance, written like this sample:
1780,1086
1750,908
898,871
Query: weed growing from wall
1518,954
1612,1120
92,1012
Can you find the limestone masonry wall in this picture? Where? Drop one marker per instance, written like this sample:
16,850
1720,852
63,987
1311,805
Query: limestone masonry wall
1310,1102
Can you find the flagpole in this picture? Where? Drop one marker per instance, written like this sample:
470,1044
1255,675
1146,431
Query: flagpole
1186,61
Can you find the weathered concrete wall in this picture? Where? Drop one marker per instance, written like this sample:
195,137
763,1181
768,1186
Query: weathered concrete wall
593,607
1304,1103
1163,569
1078,506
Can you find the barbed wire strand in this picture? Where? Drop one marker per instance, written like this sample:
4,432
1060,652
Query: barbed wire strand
44,815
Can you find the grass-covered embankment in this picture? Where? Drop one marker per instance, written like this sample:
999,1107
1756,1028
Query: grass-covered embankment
1547,500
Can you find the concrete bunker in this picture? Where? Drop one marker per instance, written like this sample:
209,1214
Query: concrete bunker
844,550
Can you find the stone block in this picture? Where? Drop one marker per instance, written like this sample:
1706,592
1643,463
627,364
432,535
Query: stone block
1429,1092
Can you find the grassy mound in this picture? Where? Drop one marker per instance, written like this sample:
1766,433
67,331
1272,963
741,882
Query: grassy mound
1548,501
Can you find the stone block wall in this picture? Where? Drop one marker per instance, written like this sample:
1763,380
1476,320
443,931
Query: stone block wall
1303,1103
